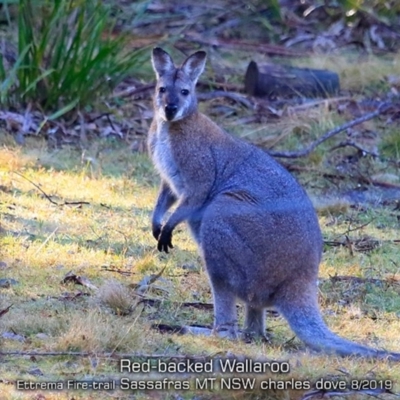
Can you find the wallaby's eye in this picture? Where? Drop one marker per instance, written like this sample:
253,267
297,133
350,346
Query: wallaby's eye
162,89
185,92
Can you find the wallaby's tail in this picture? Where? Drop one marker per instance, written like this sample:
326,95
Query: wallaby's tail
305,320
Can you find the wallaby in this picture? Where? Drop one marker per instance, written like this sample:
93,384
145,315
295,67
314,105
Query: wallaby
256,228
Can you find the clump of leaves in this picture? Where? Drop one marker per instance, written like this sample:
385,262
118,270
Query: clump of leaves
67,55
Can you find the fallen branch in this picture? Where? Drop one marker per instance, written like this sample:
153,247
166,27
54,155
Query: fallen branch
306,151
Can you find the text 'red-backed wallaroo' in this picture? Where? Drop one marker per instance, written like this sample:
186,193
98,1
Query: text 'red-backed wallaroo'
255,226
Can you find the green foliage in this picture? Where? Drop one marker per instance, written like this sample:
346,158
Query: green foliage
390,145
381,9
67,55
385,11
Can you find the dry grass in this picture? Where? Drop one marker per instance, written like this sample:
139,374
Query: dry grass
117,297
357,72
96,331
295,129
41,242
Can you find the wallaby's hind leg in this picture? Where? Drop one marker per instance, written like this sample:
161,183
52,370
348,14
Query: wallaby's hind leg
254,324
225,316
225,323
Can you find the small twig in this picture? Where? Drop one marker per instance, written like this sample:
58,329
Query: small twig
350,143
110,122
65,203
39,188
119,271
358,227
369,181
74,203
98,117
387,185
306,151
154,277
5,310
349,245
230,95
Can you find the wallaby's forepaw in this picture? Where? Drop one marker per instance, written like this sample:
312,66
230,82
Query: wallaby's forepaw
165,240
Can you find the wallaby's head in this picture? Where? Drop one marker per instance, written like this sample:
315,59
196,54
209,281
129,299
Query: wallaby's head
175,96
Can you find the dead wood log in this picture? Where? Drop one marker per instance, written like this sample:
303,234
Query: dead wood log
285,81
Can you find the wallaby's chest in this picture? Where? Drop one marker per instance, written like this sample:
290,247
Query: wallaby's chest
164,160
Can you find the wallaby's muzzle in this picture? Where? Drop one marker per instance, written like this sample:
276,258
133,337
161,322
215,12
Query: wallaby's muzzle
170,111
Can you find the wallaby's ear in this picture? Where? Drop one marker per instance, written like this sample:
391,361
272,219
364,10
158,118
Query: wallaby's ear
162,62
194,65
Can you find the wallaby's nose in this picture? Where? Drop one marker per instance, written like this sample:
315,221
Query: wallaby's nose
170,111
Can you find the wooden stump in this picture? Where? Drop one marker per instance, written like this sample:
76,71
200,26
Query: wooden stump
285,81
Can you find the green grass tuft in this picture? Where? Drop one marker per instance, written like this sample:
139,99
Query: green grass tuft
67,58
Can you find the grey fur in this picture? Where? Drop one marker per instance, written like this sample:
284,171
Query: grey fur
255,226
